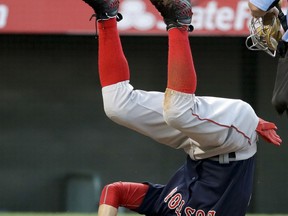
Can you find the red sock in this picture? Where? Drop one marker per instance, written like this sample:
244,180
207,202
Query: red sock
113,66
181,72
125,194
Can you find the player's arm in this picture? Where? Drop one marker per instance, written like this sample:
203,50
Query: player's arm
107,210
126,194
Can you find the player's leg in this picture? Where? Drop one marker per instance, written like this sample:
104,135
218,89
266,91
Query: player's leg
182,110
181,72
182,79
178,16
113,66
141,111
125,194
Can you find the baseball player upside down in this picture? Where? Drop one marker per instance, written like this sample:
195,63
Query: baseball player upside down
219,135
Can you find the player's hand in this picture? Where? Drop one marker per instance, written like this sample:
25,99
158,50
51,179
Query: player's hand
267,130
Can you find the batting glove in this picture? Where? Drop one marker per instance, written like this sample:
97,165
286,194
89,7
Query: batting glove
267,130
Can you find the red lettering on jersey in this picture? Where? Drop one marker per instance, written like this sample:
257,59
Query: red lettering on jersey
175,201
179,208
170,195
200,213
211,213
189,211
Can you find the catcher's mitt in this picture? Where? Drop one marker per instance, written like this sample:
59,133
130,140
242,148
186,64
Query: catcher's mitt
265,33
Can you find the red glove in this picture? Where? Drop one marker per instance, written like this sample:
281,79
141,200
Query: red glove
267,130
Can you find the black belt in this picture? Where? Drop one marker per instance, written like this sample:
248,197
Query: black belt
232,155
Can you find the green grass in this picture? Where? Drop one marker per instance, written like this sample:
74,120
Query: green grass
93,214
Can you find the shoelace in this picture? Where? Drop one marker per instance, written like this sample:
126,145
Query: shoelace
119,17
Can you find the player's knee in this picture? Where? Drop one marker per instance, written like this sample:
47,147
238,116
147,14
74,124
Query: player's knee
172,116
173,109
116,103
116,110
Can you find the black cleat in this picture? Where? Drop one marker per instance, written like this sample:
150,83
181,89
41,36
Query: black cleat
105,9
176,13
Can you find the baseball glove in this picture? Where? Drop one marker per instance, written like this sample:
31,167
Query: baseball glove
265,33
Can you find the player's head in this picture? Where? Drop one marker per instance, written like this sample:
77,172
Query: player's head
265,33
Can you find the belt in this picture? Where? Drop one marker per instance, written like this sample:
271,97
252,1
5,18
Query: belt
224,158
